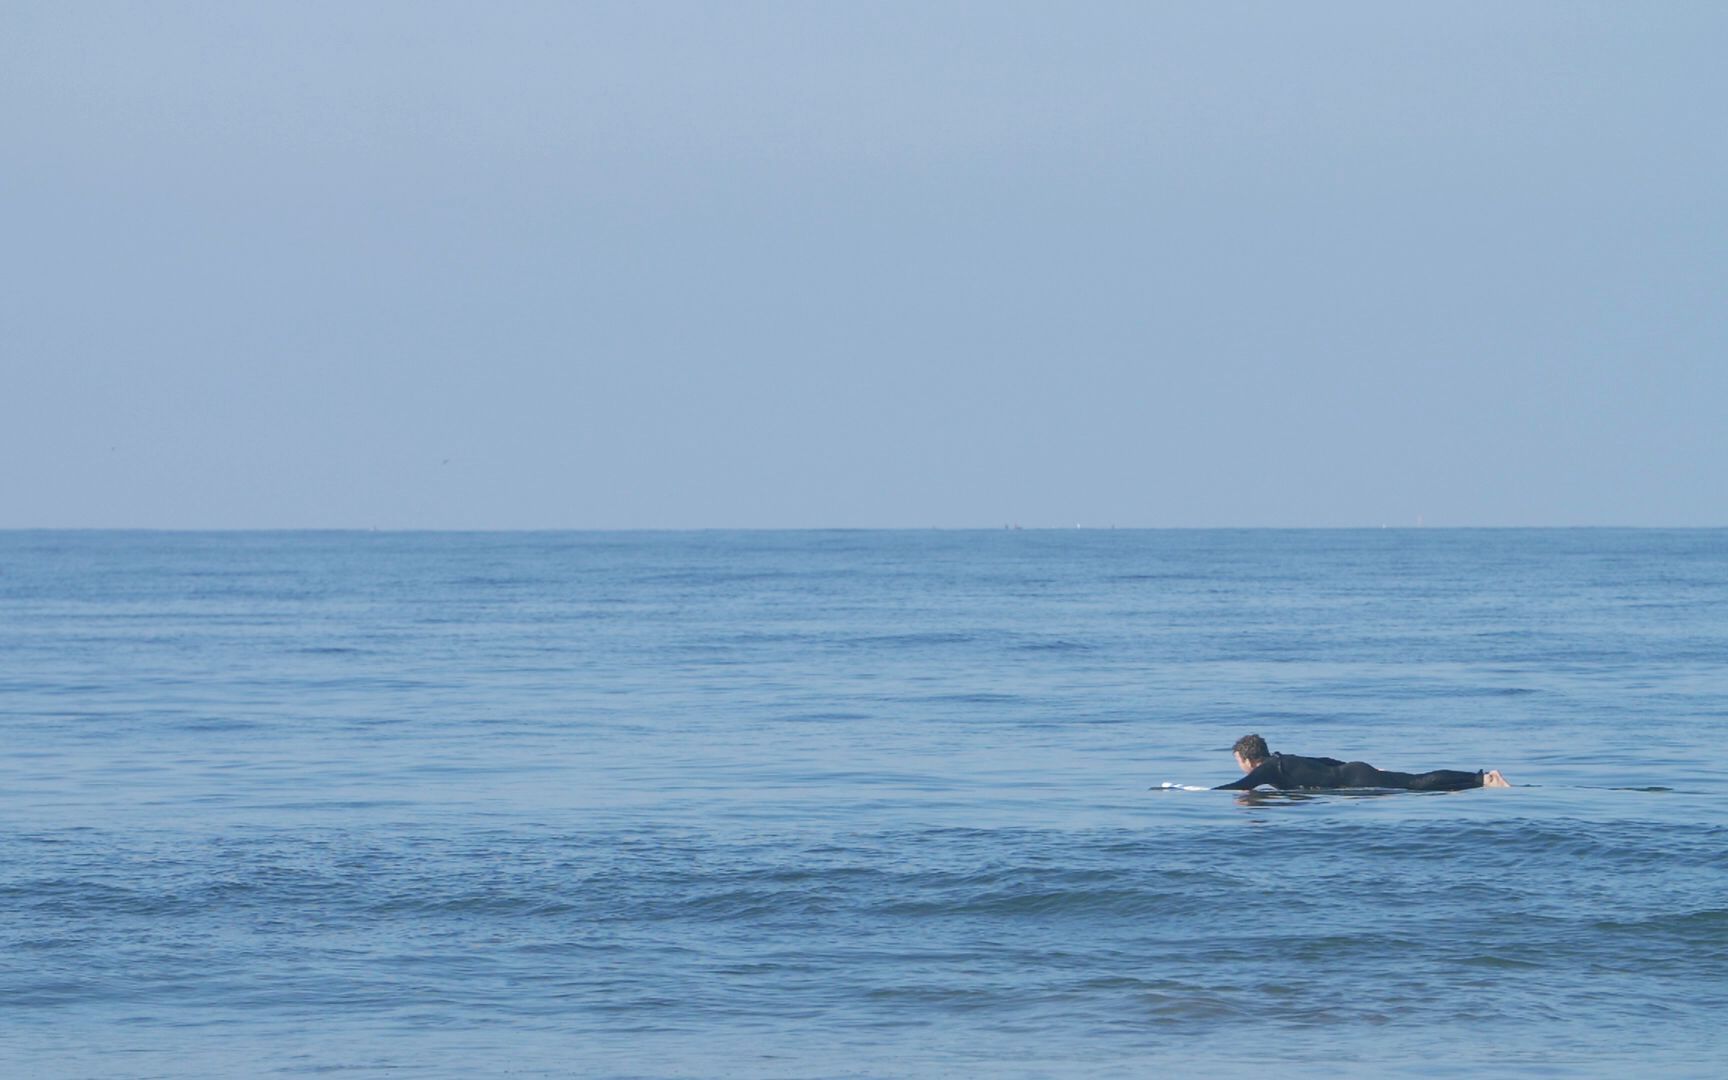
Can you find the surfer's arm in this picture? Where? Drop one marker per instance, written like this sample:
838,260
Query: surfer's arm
1262,774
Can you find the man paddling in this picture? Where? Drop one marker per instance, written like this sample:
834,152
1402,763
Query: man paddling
1287,771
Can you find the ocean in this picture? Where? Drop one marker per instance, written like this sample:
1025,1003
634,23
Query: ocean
859,803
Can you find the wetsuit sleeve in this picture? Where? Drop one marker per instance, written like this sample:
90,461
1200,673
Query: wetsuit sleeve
1264,773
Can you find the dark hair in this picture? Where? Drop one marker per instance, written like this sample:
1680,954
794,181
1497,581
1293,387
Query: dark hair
1253,748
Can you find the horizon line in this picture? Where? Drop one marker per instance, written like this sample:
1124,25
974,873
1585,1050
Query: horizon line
829,528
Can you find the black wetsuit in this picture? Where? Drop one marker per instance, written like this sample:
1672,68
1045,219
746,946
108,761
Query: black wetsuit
1286,771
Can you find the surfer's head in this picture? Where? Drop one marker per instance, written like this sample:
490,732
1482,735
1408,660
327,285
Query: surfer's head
1250,751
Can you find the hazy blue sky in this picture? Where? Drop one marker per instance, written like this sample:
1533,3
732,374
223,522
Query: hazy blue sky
499,265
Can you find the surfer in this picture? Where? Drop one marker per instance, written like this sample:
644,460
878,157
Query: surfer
1287,771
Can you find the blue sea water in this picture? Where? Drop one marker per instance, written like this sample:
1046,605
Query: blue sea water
786,804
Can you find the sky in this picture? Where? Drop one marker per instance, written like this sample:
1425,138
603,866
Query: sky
782,265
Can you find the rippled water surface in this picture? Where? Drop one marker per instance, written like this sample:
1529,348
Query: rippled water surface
858,803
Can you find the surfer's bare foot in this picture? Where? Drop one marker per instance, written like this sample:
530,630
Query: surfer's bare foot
1492,778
